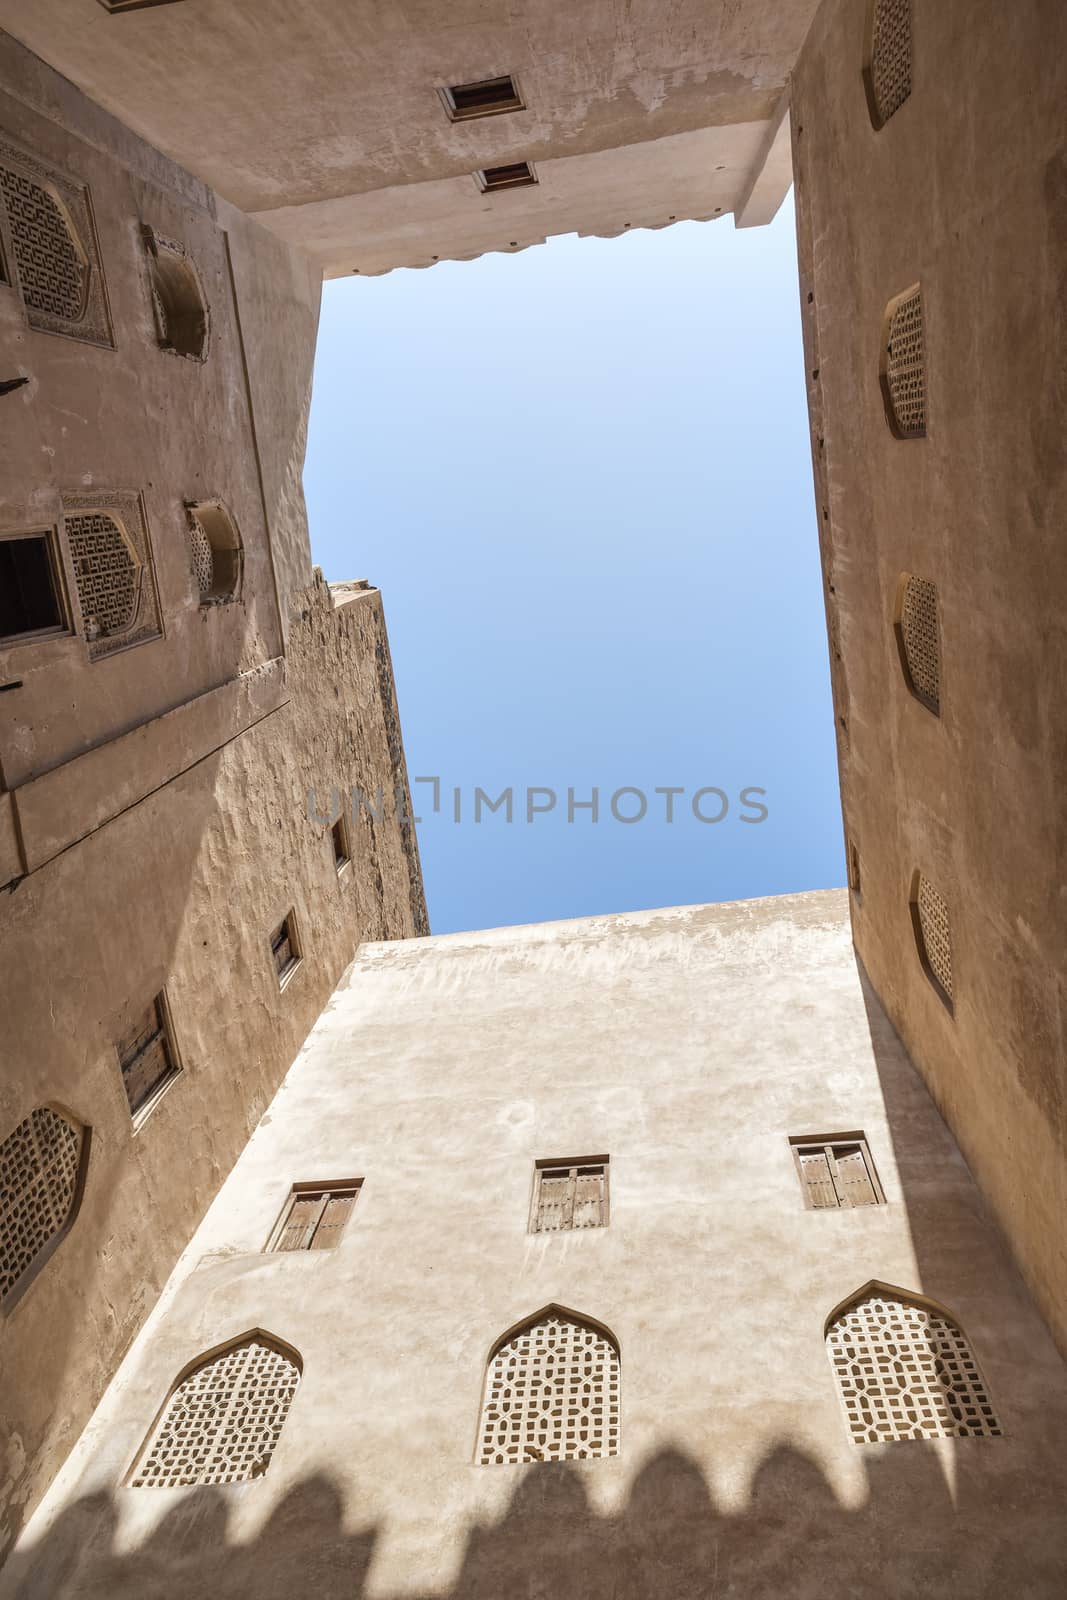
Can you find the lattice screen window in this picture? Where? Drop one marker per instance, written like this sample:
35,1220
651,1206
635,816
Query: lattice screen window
551,1394
54,254
906,1372
224,1419
837,1173
315,1216
108,539
570,1194
904,366
888,71
147,1057
215,550
42,1170
933,934
919,639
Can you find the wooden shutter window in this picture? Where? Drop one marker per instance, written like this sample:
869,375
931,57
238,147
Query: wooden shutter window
315,1216
146,1056
837,1173
569,1195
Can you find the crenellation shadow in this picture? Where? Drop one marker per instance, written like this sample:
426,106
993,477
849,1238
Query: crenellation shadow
908,1538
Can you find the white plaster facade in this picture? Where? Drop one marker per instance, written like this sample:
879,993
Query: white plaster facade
688,1045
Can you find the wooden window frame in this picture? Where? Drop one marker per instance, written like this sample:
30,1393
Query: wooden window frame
164,1031
829,1144
484,177
469,113
54,630
573,1166
286,929
332,1189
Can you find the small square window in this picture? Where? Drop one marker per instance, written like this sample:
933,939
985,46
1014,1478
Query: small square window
516,175
836,1172
488,98
30,588
570,1194
342,853
315,1215
147,1057
285,949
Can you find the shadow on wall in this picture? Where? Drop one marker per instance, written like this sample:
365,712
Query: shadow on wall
670,1542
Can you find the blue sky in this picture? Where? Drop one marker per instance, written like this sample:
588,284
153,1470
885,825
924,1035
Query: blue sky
580,475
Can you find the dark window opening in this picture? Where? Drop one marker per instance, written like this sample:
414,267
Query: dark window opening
516,175
133,5
837,1173
315,1216
29,592
147,1058
339,834
487,98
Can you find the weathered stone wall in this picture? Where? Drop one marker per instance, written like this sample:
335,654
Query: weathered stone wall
688,1045
154,816
963,191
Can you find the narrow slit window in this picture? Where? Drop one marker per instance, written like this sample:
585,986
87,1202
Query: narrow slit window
570,1195
487,98
285,949
315,1216
30,602
342,853
836,1172
854,879
133,5
516,175
147,1058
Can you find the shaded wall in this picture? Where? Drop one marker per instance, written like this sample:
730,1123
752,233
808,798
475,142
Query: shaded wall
154,817
688,1045
964,191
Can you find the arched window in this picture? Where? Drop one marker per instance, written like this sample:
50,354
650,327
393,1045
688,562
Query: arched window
223,1420
53,259
919,639
551,1393
933,934
905,1370
887,74
216,551
108,537
903,365
177,297
42,1173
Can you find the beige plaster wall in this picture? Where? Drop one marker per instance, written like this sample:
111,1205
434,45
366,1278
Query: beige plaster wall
328,124
963,191
688,1044
154,817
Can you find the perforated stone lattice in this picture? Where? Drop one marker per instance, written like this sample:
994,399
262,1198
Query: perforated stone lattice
38,1178
904,1372
52,275
936,934
922,645
905,370
107,574
203,557
551,1394
223,1422
890,66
